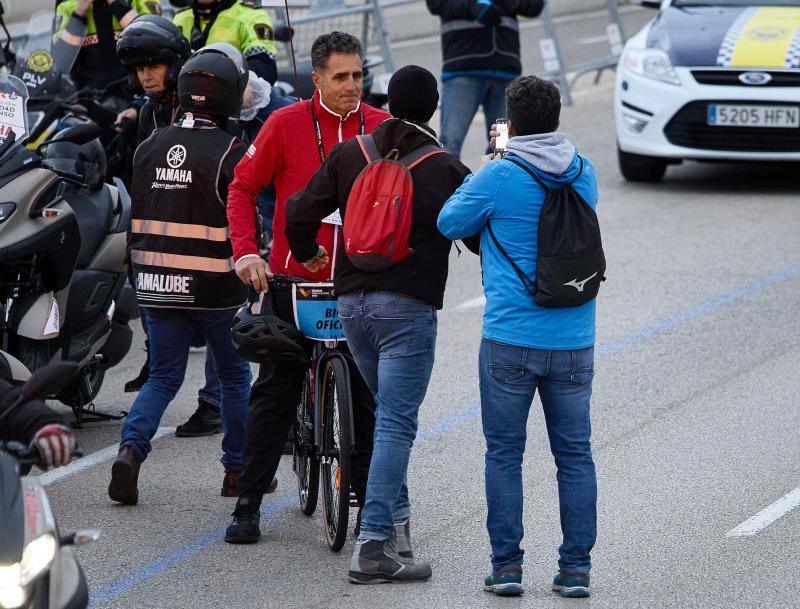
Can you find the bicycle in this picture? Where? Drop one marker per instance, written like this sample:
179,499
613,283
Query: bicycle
324,437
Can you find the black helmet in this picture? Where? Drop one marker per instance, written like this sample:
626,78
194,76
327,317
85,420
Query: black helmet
267,337
152,39
232,53
211,83
86,160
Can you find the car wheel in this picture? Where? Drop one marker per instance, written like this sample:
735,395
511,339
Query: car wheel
640,168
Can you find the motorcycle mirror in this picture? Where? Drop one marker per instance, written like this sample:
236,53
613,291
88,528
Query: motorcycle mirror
283,33
48,380
79,134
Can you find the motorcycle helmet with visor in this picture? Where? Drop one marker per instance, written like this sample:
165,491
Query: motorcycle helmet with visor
211,83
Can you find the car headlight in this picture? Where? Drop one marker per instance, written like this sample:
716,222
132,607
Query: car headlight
651,63
37,557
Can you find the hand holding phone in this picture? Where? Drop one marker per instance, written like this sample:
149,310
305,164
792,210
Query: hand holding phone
501,140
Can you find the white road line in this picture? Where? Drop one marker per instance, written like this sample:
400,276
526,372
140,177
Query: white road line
480,301
593,40
767,516
106,454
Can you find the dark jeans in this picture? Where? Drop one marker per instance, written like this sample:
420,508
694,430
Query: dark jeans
211,391
273,410
170,333
393,340
509,377
461,98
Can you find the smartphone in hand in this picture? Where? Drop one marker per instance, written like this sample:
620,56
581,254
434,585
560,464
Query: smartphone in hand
501,142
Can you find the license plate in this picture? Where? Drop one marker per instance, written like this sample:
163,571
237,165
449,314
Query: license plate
724,115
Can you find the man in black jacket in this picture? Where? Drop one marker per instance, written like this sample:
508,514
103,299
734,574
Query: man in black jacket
388,316
481,52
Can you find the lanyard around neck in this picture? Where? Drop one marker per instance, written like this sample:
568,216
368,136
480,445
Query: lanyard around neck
318,129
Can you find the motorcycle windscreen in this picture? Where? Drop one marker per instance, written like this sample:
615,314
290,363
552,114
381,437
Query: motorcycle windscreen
45,54
13,113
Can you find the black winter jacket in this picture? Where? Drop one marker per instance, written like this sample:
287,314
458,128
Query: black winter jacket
470,46
422,275
22,423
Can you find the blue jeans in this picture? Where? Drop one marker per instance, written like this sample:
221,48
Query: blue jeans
461,98
211,392
393,340
170,332
509,377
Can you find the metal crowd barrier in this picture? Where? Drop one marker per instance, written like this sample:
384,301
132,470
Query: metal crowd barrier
565,75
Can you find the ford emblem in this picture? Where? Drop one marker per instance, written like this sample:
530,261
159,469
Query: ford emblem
755,78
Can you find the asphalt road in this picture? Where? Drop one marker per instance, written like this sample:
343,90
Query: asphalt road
695,418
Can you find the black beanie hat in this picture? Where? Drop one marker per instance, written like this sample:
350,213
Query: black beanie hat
413,94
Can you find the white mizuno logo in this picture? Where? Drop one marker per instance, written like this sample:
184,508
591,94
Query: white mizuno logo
376,204
579,285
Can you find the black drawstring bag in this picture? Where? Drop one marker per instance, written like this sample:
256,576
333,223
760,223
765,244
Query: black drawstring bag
570,264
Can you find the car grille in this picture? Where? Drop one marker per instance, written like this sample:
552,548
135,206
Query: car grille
731,78
689,128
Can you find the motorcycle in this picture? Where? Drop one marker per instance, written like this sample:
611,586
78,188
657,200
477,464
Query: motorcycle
64,291
55,102
38,568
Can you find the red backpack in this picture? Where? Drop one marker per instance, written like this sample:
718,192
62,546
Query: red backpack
379,209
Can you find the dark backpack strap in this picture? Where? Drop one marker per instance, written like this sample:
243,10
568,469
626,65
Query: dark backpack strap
368,147
526,281
530,171
537,178
412,159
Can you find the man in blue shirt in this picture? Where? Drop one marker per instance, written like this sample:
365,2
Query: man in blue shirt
526,347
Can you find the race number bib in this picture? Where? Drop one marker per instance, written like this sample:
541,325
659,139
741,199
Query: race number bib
316,311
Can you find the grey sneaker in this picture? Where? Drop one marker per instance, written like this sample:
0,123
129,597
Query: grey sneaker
377,562
402,539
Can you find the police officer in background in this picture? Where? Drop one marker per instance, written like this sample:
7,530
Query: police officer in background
242,23
182,263
94,25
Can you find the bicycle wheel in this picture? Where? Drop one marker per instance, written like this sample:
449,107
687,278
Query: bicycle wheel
335,464
304,462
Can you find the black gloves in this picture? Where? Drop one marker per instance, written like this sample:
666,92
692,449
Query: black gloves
508,7
485,12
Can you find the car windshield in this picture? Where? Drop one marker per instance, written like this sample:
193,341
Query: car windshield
686,3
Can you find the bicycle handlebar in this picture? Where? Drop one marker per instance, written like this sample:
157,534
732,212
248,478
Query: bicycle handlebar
291,279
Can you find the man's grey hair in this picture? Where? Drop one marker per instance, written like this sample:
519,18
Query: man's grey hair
335,42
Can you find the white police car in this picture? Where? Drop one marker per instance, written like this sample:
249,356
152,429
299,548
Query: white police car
709,79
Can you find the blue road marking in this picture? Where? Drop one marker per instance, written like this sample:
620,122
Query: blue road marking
442,427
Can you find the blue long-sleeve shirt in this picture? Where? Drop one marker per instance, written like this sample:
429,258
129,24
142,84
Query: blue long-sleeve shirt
505,195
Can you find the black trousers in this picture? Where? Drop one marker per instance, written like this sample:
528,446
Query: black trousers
273,409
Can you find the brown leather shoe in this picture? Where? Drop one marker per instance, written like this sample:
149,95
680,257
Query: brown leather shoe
230,484
125,476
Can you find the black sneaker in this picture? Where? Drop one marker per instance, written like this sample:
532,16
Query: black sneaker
506,581
205,421
572,585
377,562
136,384
245,525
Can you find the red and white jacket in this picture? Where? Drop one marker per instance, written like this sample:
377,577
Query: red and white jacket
286,153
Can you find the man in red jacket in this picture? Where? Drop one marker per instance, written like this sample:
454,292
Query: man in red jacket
289,149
